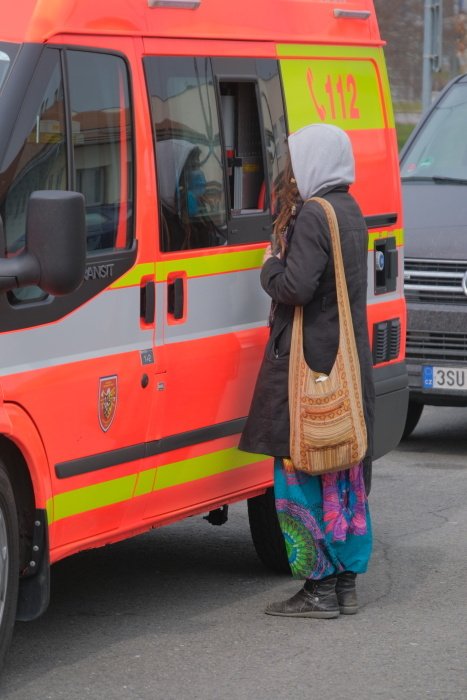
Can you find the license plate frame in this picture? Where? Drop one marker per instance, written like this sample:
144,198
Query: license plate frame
439,378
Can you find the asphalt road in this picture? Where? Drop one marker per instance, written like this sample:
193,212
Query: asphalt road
177,613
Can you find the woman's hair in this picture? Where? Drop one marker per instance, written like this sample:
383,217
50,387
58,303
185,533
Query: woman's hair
287,196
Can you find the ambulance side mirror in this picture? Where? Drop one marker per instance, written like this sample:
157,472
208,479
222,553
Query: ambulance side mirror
54,257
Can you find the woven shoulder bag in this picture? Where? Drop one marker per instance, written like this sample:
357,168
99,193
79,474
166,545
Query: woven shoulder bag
327,424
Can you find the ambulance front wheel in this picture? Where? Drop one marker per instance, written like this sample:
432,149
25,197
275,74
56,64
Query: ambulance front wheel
9,561
266,533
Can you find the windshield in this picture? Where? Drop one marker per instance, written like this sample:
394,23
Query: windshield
7,53
439,152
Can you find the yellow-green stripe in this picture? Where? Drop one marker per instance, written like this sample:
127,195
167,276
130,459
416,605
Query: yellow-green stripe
376,235
197,266
124,488
343,79
133,277
88,498
329,51
49,507
145,482
218,263
211,264
201,467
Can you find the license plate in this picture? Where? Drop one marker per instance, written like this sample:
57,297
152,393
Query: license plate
444,378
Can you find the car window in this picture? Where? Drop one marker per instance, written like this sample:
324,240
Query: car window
440,148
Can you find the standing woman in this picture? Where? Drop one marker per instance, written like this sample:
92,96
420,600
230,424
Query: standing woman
324,519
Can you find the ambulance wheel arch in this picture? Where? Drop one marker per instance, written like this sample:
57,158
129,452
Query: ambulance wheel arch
22,459
24,496
9,560
17,522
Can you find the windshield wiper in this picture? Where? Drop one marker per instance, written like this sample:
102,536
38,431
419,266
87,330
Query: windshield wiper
437,179
441,180
417,178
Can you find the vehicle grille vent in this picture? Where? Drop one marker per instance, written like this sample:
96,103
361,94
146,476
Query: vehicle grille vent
435,281
386,340
426,345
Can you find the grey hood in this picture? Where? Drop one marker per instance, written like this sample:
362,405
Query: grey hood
322,157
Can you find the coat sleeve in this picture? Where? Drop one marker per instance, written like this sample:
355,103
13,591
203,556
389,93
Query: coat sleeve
295,281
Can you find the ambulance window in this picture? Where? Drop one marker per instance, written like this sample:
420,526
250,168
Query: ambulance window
36,158
101,127
243,148
273,119
188,153
252,113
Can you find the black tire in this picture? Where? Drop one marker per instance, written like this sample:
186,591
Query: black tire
414,412
266,532
9,561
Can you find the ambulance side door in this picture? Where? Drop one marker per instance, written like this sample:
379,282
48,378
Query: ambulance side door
219,134
73,363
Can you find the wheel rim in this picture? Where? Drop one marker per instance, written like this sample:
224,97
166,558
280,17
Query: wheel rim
3,563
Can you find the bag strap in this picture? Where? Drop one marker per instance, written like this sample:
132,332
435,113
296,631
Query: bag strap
341,284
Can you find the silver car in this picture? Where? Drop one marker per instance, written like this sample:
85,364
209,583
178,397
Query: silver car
434,188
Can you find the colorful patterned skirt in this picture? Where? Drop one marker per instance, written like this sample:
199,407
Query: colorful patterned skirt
325,521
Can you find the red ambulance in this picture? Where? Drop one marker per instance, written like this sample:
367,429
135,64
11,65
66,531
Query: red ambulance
140,141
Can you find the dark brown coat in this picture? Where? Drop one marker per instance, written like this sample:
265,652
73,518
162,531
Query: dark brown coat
307,278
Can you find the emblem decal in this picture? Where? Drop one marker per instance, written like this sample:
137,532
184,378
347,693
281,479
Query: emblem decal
107,401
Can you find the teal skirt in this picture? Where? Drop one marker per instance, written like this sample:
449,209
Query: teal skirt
325,521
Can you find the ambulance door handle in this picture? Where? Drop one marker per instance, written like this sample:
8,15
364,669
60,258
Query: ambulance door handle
148,302
175,297
352,14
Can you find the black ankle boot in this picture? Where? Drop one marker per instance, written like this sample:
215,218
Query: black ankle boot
316,599
346,593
